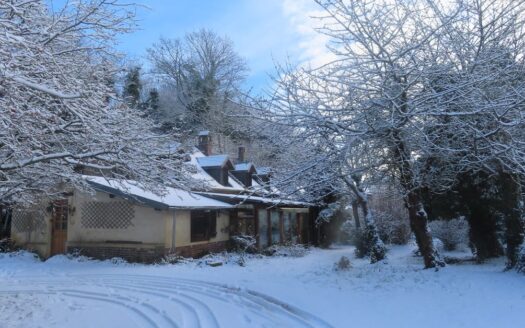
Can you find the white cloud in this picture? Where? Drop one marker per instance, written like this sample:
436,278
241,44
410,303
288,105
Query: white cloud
312,44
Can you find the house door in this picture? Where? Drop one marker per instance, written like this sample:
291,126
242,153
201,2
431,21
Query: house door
59,227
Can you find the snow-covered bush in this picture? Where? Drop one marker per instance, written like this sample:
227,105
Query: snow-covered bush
369,243
350,234
327,214
244,243
7,245
451,232
393,229
343,264
294,250
173,258
520,264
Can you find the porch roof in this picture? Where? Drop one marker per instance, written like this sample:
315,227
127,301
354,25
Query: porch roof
250,199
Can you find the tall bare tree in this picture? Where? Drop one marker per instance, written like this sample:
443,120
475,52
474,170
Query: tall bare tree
203,73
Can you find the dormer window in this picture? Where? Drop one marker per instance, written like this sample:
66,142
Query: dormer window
244,172
217,166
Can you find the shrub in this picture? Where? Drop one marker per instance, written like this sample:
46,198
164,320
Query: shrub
343,264
451,232
520,264
244,243
7,245
393,229
370,244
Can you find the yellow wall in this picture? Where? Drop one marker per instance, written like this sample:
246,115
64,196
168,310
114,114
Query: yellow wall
183,228
37,240
147,227
150,228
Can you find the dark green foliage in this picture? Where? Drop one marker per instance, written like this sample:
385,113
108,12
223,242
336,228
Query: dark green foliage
132,87
153,100
492,205
369,244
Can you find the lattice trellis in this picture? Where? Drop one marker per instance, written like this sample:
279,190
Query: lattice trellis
107,215
27,220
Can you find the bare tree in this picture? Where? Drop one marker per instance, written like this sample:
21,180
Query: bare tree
59,111
422,91
203,73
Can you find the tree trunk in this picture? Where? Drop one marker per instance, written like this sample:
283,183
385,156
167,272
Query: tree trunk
513,210
413,201
418,222
355,210
375,244
483,233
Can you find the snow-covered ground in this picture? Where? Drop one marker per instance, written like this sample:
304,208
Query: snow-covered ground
267,292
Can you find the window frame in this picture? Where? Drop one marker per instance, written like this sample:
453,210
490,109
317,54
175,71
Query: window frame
208,218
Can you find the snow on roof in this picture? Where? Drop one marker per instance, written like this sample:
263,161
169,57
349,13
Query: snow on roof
173,198
212,161
202,175
257,199
204,133
234,182
243,166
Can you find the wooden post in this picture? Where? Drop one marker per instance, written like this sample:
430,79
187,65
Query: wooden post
281,226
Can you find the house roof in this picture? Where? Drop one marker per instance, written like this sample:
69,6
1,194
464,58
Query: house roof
213,161
204,133
250,199
172,198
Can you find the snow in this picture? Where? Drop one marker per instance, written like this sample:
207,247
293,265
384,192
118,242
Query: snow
243,166
264,170
283,291
265,200
212,161
173,198
234,182
195,159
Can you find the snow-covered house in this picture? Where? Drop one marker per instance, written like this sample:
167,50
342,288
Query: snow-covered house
120,219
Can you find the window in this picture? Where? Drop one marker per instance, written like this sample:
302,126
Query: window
275,227
203,225
263,228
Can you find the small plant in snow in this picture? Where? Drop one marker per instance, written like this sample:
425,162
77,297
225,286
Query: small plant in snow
244,243
370,244
287,250
343,264
451,232
173,258
7,245
392,229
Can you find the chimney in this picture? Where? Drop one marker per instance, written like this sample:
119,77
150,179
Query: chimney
241,156
205,142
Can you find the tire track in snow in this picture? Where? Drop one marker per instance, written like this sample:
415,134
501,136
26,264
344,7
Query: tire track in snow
171,302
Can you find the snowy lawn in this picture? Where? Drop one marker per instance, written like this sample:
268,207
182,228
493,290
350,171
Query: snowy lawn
267,292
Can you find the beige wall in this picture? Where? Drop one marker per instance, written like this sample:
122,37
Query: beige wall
37,239
183,228
147,227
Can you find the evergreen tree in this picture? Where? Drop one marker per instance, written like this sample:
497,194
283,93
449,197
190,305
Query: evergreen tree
132,87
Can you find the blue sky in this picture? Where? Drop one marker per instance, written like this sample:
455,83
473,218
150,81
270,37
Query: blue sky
263,31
